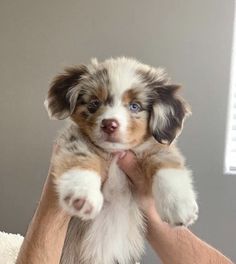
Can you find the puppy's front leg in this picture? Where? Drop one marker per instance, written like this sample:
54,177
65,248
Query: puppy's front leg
79,193
78,187
175,196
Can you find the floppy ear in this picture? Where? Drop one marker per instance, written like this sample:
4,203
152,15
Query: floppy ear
167,113
63,95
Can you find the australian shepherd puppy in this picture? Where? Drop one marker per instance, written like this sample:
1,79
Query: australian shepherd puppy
117,105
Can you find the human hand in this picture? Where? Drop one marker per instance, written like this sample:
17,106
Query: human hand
141,185
46,234
49,196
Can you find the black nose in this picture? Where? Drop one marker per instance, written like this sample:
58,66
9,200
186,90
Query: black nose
109,126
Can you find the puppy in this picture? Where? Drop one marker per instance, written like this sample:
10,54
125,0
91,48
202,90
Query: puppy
119,104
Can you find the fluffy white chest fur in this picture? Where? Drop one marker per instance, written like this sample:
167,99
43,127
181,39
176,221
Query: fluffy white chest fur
116,234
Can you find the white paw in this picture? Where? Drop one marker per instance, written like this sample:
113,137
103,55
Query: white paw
175,197
183,212
80,194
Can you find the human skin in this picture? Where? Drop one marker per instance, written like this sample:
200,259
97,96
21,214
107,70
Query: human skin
174,245
45,237
46,233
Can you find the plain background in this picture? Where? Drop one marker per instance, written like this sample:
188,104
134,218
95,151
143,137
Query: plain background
191,39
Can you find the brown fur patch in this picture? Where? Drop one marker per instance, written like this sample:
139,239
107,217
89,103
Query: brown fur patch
151,165
152,160
138,123
156,157
64,161
83,117
85,120
129,96
137,130
102,94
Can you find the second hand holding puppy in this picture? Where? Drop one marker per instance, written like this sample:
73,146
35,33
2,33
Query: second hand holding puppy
140,185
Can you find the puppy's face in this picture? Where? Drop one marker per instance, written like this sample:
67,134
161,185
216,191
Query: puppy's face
118,103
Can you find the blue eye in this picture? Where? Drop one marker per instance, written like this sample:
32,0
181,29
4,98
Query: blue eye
135,107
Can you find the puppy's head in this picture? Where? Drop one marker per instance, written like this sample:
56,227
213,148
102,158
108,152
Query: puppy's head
118,103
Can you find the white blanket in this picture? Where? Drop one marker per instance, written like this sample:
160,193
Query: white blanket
9,247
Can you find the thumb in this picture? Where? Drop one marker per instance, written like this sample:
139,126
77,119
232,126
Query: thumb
128,163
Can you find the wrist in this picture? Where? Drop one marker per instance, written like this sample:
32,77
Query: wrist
148,207
50,210
147,204
152,217
155,225
152,214
49,204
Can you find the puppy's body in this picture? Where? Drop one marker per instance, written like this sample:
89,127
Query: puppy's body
117,105
115,235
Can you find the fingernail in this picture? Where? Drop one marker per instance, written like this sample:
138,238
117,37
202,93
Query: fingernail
122,155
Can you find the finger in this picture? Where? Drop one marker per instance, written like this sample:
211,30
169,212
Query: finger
128,163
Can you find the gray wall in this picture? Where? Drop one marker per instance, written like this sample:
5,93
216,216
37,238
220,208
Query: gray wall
192,39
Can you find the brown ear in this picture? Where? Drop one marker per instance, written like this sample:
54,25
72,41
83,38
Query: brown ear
62,98
167,113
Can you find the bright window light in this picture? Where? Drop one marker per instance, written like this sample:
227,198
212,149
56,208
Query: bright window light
230,152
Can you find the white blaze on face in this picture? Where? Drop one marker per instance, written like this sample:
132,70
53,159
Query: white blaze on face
118,112
122,77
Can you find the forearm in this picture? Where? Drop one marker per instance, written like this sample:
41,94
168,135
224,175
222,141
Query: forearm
45,237
177,245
